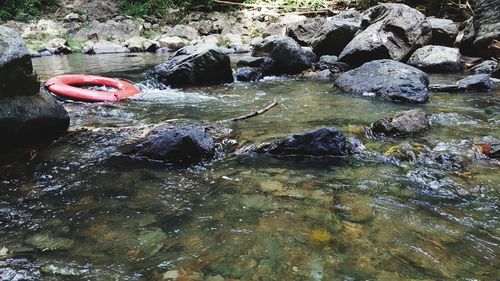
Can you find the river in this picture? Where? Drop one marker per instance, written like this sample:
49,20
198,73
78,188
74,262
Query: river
79,209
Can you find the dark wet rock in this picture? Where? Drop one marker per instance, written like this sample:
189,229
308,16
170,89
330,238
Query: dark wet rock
322,142
386,79
32,118
486,67
496,72
195,66
184,144
444,31
436,59
484,28
254,61
478,82
16,71
403,123
26,114
330,63
288,55
334,35
389,31
311,56
248,74
303,32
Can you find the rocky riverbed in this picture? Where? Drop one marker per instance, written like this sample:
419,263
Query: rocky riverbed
380,161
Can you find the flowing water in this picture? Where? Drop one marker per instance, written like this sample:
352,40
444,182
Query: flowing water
421,208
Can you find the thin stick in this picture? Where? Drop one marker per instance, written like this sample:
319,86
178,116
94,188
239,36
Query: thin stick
256,113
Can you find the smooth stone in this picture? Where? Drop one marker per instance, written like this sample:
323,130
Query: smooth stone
182,144
334,35
288,55
386,79
322,142
436,59
444,31
198,65
401,124
486,67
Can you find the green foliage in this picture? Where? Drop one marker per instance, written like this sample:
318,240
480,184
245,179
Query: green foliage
75,44
157,8
25,9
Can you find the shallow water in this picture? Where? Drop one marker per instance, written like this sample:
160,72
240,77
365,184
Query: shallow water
397,211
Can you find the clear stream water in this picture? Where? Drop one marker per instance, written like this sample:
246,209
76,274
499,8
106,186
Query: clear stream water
421,208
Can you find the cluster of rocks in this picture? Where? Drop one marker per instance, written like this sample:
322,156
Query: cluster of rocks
27,113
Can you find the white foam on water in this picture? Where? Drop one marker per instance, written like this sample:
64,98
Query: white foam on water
172,96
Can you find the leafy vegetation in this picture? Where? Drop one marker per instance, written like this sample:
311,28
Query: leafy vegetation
141,8
23,9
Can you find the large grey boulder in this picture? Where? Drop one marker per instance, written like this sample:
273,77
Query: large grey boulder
322,142
386,79
288,55
201,65
484,28
401,124
26,114
444,31
16,71
389,31
436,59
332,37
303,32
181,144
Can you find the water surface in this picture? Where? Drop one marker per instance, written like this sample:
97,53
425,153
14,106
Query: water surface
406,209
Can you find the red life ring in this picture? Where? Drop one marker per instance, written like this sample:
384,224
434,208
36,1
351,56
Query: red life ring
67,86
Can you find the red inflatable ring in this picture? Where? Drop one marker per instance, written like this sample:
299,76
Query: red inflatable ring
67,86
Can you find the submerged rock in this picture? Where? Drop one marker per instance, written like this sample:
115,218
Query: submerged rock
490,146
478,82
444,31
323,142
26,114
390,31
195,66
184,144
288,55
486,67
386,79
402,124
436,59
484,28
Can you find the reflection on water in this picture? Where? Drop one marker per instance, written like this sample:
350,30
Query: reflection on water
414,209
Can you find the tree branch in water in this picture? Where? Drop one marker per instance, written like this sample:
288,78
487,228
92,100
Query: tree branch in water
256,113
